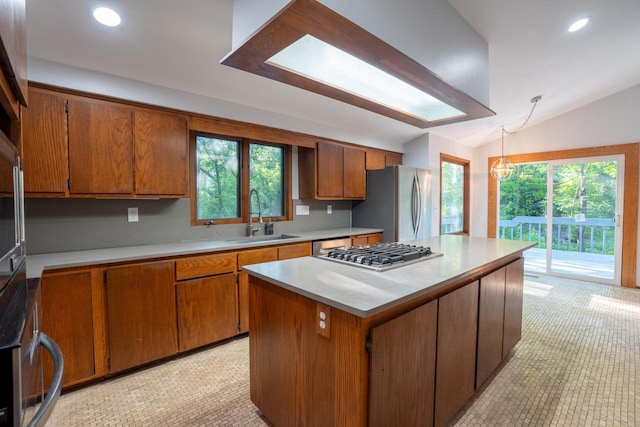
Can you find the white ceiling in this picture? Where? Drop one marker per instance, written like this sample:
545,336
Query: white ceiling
178,44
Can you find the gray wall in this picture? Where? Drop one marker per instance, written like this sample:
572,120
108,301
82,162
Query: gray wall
58,225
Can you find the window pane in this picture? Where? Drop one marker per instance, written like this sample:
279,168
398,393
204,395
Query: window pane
266,174
452,209
218,183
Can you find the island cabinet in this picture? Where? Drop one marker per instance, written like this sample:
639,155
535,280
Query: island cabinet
80,146
513,295
332,172
141,314
413,364
207,299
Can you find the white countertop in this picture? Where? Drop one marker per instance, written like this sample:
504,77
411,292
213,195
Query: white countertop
364,292
36,264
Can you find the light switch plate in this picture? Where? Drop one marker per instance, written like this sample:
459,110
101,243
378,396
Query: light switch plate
132,214
302,210
329,209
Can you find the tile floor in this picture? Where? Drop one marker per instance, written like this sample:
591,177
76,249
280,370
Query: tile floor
578,364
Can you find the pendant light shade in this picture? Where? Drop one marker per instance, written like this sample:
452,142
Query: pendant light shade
502,168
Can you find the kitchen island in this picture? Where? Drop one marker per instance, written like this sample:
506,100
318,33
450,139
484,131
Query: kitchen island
335,344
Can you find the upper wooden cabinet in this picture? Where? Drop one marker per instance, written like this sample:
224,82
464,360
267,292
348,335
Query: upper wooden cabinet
45,159
377,159
160,153
13,47
100,148
332,172
81,146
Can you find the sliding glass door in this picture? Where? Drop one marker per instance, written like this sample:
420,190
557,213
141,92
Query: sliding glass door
573,210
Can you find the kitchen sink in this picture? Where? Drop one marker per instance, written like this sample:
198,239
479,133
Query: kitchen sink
262,239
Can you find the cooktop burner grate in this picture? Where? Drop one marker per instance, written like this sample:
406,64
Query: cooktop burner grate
381,256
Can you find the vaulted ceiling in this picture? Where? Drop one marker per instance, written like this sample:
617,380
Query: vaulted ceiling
179,44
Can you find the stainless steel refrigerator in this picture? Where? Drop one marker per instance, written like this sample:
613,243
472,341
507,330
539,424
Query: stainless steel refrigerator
399,201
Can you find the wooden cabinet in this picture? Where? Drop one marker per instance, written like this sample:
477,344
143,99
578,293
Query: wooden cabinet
366,239
79,146
376,159
141,313
71,315
207,310
45,159
490,324
331,172
296,250
403,367
161,160
514,285
13,47
253,256
100,147
456,352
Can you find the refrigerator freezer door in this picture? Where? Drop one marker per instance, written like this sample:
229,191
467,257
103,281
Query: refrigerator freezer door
413,203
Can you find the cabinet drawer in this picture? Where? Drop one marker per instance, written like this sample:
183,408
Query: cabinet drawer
256,256
205,265
294,251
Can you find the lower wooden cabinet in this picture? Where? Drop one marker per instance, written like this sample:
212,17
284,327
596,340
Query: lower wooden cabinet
253,256
456,353
513,305
403,369
490,324
141,314
366,239
207,310
68,317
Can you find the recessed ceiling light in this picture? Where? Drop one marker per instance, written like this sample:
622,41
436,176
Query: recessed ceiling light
107,16
578,24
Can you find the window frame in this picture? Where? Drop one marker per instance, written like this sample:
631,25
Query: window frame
466,165
244,171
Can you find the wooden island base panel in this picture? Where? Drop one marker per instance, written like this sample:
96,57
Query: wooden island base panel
411,354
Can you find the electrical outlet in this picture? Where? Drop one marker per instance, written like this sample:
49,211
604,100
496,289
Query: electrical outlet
302,210
132,214
329,210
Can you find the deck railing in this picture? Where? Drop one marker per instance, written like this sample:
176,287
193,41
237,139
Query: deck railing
593,235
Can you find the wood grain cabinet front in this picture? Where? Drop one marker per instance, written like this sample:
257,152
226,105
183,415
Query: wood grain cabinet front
80,146
207,310
366,239
71,315
141,313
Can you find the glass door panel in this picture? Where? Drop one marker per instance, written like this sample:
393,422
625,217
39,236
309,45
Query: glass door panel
584,236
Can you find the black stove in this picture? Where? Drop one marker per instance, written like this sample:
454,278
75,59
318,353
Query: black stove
381,256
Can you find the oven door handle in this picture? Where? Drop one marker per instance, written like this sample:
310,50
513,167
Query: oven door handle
41,417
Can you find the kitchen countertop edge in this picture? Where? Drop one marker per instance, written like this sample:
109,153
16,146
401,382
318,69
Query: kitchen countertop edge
37,264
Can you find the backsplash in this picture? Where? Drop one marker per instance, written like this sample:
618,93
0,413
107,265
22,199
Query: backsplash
59,225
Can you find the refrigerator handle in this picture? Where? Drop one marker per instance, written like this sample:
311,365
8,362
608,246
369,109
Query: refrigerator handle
418,205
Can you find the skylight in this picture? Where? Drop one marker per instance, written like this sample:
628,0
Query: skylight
317,60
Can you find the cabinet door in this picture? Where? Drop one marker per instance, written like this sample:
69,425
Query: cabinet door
68,318
294,251
490,324
456,352
354,176
253,256
141,309
374,160
513,305
13,46
403,363
207,310
329,170
161,147
100,148
44,149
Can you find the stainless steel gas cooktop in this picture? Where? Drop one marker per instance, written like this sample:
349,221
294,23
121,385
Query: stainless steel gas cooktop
381,256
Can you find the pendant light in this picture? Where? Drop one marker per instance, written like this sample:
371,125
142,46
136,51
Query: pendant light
502,168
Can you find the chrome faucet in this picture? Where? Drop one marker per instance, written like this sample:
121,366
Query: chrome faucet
251,230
